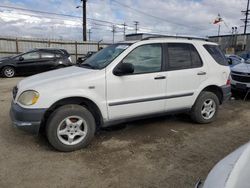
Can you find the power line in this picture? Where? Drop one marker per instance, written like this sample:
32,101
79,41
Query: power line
159,18
105,23
57,14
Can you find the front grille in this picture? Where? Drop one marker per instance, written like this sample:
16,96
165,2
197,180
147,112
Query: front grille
14,92
240,78
241,73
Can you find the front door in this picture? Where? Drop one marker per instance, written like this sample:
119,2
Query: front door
142,92
27,63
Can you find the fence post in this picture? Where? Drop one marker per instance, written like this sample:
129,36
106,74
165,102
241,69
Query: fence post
48,43
76,50
17,48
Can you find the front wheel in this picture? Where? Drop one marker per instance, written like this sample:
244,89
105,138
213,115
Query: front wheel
205,108
70,127
8,72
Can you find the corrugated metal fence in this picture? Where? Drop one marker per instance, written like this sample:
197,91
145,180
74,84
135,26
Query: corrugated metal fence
238,42
12,46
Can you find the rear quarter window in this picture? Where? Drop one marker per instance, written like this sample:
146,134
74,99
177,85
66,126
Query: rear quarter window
217,54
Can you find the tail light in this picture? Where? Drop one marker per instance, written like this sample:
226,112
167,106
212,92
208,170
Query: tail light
228,81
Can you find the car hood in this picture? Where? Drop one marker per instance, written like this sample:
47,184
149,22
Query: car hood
63,75
242,67
2,59
232,171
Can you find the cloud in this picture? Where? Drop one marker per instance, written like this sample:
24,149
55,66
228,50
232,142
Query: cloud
191,17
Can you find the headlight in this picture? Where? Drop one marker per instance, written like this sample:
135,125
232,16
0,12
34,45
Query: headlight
28,98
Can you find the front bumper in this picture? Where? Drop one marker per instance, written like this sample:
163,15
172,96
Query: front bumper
26,119
240,86
235,86
226,90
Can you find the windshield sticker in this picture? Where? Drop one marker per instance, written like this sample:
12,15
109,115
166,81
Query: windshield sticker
123,47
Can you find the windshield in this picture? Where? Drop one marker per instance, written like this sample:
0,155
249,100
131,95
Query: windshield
104,57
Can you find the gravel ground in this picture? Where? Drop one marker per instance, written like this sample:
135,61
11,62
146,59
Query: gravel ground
169,151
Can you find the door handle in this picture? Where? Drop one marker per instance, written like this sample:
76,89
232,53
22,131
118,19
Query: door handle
201,73
160,77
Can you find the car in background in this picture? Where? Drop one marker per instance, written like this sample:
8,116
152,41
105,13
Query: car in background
240,76
80,60
233,56
245,55
34,61
231,172
233,61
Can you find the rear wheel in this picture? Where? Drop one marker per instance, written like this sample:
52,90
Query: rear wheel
8,72
205,108
70,127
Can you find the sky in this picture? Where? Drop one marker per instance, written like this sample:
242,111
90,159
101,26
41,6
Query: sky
170,17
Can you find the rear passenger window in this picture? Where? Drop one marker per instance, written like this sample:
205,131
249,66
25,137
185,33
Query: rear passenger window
183,56
196,59
46,55
58,55
217,54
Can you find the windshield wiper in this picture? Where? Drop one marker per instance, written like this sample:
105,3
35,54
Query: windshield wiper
88,66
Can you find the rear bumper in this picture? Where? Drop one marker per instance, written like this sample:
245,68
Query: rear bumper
226,90
28,120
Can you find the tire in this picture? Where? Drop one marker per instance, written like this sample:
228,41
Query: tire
8,72
205,108
65,123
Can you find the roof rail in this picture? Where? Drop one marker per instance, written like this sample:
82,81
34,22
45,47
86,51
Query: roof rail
176,37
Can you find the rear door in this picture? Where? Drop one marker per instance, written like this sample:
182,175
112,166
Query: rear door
186,72
48,61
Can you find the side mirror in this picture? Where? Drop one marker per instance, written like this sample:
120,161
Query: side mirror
21,58
123,69
229,61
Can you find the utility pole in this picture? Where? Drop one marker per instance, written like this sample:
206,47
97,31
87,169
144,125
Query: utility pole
219,30
124,30
84,20
245,20
136,26
113,31
234,36
89,33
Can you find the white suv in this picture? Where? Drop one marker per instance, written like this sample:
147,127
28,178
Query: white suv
123,82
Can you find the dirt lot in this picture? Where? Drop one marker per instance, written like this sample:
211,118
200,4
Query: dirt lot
161,152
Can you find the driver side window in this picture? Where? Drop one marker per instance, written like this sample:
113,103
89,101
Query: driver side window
146,58
31,55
